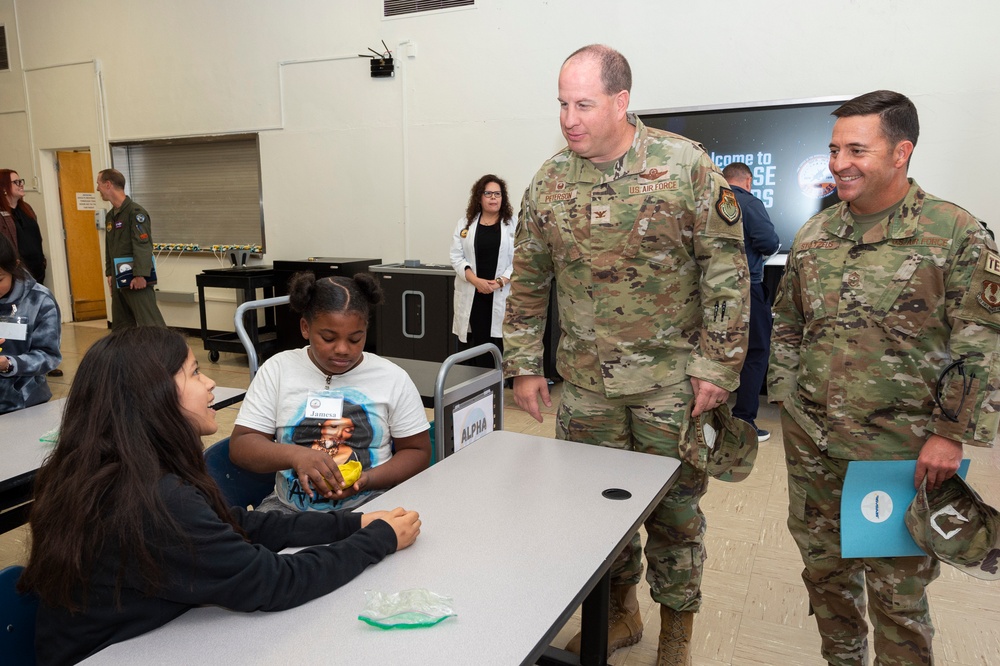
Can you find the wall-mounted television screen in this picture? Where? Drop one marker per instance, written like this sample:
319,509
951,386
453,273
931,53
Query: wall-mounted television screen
785,144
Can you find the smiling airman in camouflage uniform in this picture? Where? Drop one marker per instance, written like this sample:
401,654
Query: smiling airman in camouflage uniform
647,253
881,294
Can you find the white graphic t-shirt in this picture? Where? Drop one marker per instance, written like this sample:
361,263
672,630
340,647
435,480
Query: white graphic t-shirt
377,401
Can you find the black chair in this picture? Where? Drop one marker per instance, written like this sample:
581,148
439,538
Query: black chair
17,620
240,487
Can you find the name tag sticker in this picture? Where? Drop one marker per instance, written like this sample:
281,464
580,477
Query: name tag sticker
323,406
13,331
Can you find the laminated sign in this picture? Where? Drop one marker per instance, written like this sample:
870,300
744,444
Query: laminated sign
473,419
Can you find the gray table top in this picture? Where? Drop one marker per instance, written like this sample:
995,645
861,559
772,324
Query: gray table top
23,452
515,530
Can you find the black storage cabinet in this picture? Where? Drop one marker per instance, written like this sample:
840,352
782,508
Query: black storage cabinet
289,333
415,317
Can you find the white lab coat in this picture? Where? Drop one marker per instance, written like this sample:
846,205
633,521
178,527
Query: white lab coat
463,253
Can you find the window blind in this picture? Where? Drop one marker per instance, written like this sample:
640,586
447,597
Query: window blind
200,192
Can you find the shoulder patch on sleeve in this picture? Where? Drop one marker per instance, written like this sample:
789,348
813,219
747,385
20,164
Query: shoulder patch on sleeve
727,207
981,302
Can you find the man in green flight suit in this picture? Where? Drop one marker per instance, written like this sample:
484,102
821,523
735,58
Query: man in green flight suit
128,234
642,236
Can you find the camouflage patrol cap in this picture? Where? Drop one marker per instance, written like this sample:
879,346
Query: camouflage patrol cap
718,443
955,525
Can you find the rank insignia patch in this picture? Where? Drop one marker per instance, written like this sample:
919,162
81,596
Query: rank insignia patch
989,297
727,208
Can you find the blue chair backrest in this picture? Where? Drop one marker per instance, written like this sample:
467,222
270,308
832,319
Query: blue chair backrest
17,621
239,487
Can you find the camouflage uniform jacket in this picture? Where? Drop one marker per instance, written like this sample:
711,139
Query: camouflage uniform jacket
128,234
865,324
648,259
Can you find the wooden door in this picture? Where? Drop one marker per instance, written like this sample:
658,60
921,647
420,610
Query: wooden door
83,249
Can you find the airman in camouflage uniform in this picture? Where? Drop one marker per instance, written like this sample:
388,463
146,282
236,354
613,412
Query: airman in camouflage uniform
643,238
128,234
881,294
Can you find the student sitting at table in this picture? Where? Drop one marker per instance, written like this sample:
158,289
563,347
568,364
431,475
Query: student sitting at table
129,531
293,413
29,314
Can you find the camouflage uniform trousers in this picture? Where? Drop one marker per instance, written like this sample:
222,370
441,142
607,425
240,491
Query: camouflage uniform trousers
649,423
897,603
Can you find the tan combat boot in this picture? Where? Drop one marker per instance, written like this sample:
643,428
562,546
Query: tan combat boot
675,637
624,623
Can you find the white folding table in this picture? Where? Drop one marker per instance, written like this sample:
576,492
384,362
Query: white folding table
517,529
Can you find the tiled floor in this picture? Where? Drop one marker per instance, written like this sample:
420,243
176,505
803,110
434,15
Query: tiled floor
755,608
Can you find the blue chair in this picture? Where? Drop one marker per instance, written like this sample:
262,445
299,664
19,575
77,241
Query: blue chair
17,620
240,487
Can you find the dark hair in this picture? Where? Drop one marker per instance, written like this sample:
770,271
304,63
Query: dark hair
9,259
310,297
5,175
896,112
616,75
123,428
475,206
736,170
113,176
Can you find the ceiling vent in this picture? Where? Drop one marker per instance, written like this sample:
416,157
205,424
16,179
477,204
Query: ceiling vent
403,7
4,61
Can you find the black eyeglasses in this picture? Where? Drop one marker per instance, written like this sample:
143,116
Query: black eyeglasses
492,195
958,366
19,182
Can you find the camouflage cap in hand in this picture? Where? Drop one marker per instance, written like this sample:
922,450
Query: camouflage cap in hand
718,443
956,526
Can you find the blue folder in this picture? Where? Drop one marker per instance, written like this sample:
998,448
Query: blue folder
877,494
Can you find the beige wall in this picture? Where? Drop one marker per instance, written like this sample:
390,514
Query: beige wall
354,166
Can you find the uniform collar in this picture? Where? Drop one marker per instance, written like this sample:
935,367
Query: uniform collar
633,162
900,222
126,202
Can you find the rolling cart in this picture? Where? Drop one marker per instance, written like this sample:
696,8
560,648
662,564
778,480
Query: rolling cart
247,281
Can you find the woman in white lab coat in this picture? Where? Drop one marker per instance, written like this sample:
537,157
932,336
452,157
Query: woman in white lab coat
482,254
